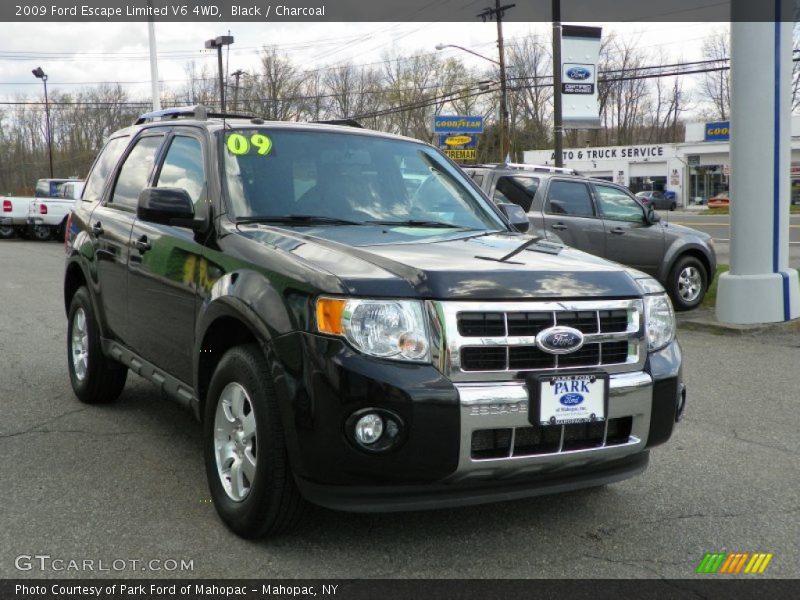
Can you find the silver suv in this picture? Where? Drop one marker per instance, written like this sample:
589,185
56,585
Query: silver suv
607,220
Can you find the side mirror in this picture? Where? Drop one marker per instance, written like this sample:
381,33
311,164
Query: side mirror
652,216
516,216
166,206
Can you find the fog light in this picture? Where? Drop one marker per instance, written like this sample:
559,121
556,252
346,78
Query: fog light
369,429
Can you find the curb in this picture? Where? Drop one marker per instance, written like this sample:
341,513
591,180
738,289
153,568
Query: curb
709,325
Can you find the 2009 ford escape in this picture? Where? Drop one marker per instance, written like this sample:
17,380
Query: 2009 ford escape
355,324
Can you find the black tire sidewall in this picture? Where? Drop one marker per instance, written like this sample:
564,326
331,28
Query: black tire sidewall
680,265
252,515
81,300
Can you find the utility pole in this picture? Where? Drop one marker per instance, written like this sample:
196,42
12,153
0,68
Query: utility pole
505,138
236,75
558,124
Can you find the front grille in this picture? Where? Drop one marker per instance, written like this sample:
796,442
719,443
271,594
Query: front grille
530,358
499,337
549,439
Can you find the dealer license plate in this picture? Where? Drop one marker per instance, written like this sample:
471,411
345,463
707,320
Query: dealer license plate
568,399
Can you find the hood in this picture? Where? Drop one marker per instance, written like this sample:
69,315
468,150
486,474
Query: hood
436,264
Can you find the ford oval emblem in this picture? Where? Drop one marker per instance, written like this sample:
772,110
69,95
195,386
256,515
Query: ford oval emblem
559,340
571,399
579,73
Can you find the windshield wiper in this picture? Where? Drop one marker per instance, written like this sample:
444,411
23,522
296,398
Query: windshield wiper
418,223
297,220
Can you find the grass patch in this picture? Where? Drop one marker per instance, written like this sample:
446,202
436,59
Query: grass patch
793,209
711,295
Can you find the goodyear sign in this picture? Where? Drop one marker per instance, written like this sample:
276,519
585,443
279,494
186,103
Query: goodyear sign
457,141
718,131
456,124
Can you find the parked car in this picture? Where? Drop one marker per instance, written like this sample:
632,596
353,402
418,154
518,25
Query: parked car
721,200
348,343
657,200
606,220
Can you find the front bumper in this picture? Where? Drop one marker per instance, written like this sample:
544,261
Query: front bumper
435,466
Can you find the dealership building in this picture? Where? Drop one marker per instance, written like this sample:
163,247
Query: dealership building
694,170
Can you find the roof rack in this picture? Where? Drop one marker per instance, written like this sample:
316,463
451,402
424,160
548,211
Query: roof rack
343,122
198,111
540,168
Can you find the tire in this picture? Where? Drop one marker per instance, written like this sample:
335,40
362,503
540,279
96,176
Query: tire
242,426
42,233
688,283
673,206
6,232
95,378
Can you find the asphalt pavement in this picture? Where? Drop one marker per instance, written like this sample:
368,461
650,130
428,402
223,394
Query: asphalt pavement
718,227
126,482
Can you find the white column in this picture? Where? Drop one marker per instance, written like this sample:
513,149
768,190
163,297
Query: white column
151,33
760,287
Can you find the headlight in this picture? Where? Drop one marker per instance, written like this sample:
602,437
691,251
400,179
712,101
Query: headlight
659,318
659,321
385,328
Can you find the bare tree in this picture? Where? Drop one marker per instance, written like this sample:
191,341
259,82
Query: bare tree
715,85
530,93
277,90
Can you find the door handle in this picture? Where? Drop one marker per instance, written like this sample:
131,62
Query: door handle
559,226
142,244
618,231
97,229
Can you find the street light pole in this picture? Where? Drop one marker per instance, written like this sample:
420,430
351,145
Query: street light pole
218,43
558,123
40,74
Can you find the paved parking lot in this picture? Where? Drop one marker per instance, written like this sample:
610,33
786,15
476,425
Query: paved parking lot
126,481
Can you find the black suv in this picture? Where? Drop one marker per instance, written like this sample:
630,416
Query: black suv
606,220
355,324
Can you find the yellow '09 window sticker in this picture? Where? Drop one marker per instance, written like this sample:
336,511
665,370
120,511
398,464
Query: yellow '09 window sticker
239,144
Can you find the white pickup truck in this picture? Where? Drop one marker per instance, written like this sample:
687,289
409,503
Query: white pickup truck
43,216
47,217
14,215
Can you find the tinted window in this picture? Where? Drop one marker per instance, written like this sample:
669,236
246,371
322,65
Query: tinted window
617,205
271,173
519,190
135,172
102,167
569,198
183,167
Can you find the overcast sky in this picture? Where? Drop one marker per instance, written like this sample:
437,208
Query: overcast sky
75,54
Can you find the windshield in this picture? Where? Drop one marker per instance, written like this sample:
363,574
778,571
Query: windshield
344,179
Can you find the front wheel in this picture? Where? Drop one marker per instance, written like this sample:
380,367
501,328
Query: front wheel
247,465
688,283
95,378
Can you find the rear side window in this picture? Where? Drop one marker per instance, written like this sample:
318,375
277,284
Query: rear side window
569,198
477,178
517,190
109,156
135,172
